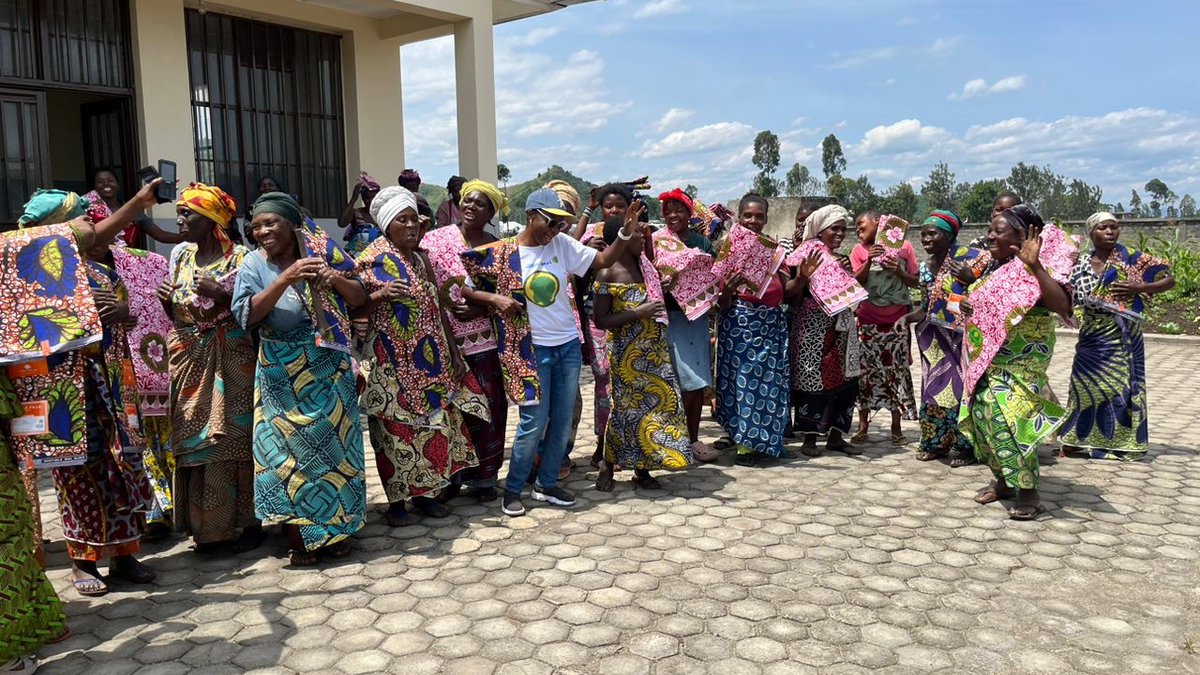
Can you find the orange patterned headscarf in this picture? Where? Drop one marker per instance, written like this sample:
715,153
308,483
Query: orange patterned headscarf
213,203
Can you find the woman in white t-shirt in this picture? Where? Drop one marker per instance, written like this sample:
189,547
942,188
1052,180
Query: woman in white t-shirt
539,349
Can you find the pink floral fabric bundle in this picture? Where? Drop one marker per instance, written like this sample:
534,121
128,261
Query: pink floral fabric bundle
445,247
834,288
1000,300
696,287
142,273
756,256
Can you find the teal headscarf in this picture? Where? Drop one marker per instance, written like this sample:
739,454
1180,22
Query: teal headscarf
51,207
945,221
281,204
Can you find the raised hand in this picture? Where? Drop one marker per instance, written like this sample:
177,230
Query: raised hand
808,266
1030,247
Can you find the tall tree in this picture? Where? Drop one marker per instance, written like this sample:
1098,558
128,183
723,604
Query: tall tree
857,195
976,206
1161,196
800,182
833,160
939,189
1187,207
1082,200
902,200
691,190
766,158
1135,205
503,174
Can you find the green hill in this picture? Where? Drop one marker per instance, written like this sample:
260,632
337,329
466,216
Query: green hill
519,192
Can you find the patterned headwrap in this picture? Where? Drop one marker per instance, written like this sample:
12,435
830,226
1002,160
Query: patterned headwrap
945,221
368,183
495,196
389,203
1022,217
281,204
97,210
410,180
1098,217
824,218
51,207
213,203
677,195
566,193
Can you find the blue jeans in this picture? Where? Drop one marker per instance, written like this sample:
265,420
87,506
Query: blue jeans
544,428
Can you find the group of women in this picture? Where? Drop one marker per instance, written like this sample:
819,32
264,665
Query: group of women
275,354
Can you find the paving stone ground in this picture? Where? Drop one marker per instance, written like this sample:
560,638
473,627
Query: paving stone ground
828,565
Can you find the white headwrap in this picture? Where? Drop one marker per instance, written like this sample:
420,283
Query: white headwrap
1098,217
388,204
822,219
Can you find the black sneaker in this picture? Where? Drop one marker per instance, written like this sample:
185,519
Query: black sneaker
512,505
482,495
555,495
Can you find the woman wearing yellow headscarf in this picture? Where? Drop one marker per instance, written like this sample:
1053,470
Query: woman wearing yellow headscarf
212,377
480,201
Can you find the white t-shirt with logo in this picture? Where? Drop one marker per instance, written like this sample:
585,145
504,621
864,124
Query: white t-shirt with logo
545,270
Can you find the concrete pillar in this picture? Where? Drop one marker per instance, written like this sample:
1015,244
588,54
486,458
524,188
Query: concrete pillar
374,109
163,94
475,77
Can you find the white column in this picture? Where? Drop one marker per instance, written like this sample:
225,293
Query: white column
374,107
164,102
475,78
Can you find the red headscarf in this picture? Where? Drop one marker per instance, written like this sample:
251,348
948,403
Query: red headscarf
676,195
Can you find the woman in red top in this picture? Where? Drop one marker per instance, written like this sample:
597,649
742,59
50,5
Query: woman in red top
885,381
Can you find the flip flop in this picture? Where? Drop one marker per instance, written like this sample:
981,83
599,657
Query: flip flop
91,587
1026,511
303,559
860,437
338,550
926,456
990,494
899,439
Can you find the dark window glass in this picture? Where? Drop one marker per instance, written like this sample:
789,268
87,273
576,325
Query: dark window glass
257,109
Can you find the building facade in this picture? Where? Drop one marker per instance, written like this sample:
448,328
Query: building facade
305,91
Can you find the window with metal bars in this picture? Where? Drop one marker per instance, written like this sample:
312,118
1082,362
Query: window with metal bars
267,101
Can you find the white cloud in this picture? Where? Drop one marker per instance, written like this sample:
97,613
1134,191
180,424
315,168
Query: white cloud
939,47
980,87
660,8
907,21
866,57
673,118
534,37
903,136
708,137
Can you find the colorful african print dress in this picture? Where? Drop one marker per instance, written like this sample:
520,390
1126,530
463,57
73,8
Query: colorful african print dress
1107,401
939,341
825,367
647,428
413,403
477,339
752,375
1010,414
30,614
142,272
885,381
309,467
104,502
212,402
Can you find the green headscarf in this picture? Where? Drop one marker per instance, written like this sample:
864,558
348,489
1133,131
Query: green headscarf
281,204
51,207
945,221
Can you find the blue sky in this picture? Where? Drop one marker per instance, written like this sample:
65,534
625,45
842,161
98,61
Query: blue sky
1103,90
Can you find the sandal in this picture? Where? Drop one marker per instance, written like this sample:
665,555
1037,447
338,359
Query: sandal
843,447
992,493
338,550
860,436
723,443
605,482
899,439
430,508
449,492
1026,511
303,559
701,452
564,471
397,516
647,482
250,539
131,570
89,586
959,460
810,450
21,664
926,456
